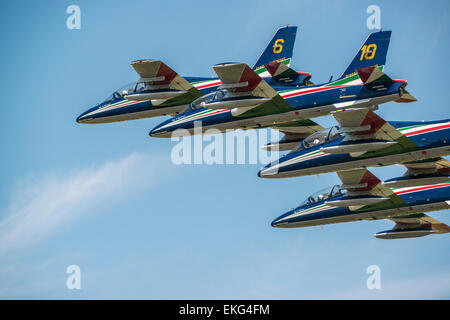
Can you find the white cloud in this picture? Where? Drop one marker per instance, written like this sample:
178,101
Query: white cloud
40,206
429,286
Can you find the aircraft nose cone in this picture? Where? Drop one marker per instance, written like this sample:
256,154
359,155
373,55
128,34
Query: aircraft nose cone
268,172
158,133
275,223
80,118
85,117
154,132
162,130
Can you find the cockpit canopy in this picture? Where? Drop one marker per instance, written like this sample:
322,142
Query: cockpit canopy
200,102
323,194
126,89
317,138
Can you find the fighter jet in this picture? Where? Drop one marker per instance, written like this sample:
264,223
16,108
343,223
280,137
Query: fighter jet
362,196
245,100
161,91
363,139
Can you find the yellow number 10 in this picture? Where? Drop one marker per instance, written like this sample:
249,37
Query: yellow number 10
368,52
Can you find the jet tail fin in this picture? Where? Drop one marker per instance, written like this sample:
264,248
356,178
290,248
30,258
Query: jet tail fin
373,52
280,48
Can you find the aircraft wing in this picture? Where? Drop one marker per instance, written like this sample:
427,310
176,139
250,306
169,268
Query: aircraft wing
365,192
422,173
294,133
435,165
367,134
362,181
241,81
163,83
419,220
413,226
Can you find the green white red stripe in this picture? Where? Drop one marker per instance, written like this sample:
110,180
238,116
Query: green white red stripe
426,128
402,191
207,84
350,81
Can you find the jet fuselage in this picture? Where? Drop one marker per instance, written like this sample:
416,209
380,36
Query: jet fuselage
432,139
416,200
120,109
306,102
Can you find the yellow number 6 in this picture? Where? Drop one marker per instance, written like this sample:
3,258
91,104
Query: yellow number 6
278,47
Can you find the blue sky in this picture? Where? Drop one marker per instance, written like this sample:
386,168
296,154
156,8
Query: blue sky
108,198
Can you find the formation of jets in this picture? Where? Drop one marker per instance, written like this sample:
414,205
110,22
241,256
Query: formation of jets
273,95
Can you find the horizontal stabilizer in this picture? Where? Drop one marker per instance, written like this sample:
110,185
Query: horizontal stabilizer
373,76
281,71
405,96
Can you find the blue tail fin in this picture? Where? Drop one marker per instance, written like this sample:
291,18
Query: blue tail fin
279,48
373,52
